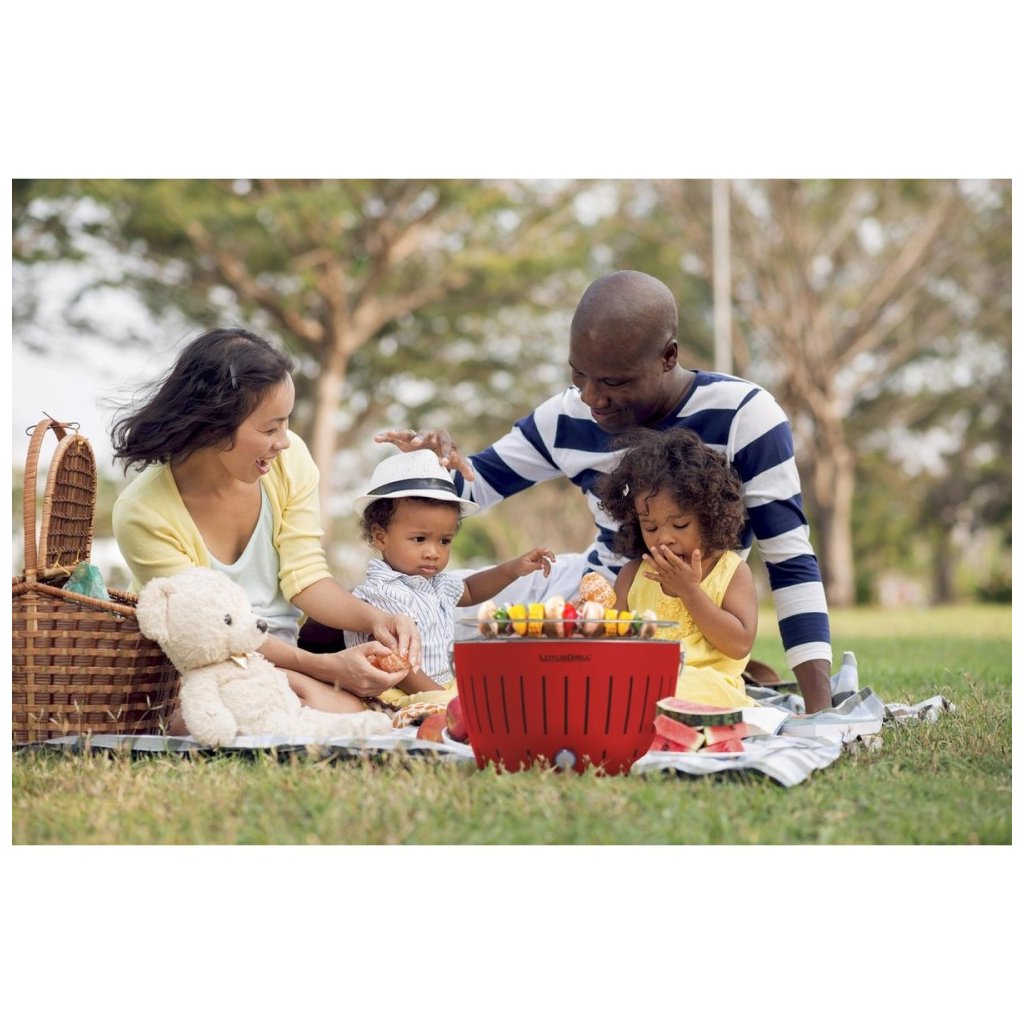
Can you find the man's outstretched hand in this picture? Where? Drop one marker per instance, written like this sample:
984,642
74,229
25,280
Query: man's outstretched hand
440,442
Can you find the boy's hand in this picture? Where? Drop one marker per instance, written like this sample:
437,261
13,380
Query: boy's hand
676,575
538,558
399,633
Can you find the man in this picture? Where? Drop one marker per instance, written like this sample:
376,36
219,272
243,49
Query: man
623,357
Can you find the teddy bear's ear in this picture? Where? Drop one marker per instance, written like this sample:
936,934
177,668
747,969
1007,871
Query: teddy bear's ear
151,608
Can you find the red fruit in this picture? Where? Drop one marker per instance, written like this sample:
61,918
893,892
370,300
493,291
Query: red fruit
456,721
682,736
724,747
662,744
569,616
432,728
696,714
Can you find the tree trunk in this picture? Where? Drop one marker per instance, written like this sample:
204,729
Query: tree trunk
329,386
942,565
833,481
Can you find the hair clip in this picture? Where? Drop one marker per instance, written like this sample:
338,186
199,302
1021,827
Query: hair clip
625,491
234,378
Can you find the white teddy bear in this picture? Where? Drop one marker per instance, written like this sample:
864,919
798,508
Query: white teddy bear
207,628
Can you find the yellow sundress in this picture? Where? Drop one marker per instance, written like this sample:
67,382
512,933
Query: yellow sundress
707,676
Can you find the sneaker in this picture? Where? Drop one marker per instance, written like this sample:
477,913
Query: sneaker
846,682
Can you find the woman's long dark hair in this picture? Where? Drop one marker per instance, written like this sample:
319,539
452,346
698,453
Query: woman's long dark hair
212,388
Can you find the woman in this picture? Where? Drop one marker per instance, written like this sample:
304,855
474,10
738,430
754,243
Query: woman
225,484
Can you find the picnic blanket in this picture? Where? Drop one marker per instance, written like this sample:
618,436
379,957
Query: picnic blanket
803,743
793,746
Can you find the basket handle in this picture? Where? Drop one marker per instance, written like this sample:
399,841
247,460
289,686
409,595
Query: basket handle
28,500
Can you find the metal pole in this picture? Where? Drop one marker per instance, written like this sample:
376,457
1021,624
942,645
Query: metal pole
721,274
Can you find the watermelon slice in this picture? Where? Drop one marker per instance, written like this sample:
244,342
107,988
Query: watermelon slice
680,735
732,746
720,733
662,745
692,713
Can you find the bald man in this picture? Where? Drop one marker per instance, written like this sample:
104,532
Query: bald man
623,360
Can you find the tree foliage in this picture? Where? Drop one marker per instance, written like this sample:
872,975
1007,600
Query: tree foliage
846,295
395,276
877,312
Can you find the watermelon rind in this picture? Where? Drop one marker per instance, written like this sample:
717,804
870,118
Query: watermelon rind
690,713
725,739
720,733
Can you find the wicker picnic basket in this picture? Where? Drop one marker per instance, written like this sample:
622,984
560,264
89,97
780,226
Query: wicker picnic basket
79,664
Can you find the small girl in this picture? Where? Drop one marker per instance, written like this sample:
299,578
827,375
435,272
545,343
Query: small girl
681,514
411,514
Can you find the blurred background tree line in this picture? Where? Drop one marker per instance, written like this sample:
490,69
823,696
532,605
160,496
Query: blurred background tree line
876,311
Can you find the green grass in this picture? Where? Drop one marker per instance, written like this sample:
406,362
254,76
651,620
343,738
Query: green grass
944,783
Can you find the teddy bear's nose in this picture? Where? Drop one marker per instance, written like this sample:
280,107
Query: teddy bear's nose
261,625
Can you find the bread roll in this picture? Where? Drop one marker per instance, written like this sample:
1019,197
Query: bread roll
594,587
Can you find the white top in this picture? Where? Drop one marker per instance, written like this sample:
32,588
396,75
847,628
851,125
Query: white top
257,572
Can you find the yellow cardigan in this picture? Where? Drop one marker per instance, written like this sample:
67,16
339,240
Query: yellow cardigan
157,537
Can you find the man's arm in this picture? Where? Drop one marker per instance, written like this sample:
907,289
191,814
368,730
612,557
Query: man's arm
518,460
761,449
815,685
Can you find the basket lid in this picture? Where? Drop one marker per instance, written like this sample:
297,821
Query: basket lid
69,504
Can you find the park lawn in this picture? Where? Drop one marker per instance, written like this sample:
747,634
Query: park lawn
948,782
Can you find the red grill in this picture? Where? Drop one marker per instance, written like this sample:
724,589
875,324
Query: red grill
564,702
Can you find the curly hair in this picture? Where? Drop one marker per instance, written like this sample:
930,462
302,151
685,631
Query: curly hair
676,461
213,387
381,511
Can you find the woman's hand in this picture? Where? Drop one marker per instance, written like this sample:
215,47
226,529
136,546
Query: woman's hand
440,442
399,633
677,576
352,670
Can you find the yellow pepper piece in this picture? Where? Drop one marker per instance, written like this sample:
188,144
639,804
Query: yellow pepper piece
517,613
625,623
611,622
534,625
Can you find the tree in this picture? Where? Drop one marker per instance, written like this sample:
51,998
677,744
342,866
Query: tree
877,312
839,287
331,266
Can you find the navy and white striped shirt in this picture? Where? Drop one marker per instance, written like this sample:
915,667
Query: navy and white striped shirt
430,603
734,416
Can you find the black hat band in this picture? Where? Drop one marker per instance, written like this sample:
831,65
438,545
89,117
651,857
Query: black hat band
430,483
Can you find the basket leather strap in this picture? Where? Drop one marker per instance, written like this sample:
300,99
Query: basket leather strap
28,500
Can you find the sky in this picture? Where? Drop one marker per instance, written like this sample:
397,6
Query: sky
44,384
525,90
75,376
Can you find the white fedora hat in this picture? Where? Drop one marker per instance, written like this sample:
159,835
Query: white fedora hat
412,475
